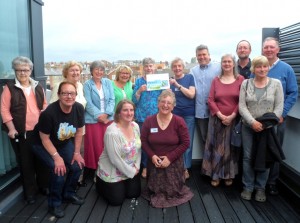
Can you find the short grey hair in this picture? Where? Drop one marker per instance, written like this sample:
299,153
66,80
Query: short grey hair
167,93
176,60
148,60
202,47
21,61
97,64
271,38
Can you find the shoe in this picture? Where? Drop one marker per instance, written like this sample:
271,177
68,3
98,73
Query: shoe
273,189
228,182
186,174
215,183
31,199
56,211
260,195
74,199
144,173
44,191
82,184
246,195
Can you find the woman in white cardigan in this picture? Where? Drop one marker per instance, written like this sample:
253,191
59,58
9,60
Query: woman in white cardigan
118,166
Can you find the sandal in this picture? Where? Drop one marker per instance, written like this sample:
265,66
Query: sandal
228,182
215,183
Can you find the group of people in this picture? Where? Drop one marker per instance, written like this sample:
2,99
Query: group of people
125,128
259,93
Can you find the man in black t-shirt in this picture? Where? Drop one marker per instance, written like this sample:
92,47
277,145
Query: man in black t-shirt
59,135
243,50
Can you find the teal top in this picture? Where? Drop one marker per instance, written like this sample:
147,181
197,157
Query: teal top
121,94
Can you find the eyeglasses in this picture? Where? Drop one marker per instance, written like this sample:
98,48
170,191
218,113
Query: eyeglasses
66,94
22,71
166,102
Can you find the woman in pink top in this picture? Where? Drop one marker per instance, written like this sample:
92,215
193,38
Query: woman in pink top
22,101
220,158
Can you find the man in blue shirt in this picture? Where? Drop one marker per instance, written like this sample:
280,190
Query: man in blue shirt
203,74
285,73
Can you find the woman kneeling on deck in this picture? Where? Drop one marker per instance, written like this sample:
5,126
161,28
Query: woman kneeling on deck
118,167
165,138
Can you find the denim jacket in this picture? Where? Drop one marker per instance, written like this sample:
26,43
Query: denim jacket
92,110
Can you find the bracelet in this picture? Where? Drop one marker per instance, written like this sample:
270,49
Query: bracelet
137,94
179,87
76,153
54,154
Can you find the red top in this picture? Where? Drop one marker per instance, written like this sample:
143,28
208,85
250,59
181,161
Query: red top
224,97
171,142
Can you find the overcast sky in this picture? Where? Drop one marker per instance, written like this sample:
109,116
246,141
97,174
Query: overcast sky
87,30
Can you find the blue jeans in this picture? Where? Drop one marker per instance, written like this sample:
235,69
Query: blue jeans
59,187
187,156
251,179
144,160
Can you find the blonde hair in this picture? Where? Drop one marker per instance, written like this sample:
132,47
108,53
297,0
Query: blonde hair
122,68
69,64
259,60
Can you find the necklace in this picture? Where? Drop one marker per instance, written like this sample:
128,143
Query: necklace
163,123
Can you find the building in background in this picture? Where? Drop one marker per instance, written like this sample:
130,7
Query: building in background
21,34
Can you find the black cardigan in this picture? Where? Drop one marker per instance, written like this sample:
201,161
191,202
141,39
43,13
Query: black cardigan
266,146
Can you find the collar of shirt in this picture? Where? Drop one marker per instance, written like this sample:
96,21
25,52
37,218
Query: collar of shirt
274,63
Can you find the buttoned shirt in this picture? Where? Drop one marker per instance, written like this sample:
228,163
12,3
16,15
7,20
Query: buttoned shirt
203,77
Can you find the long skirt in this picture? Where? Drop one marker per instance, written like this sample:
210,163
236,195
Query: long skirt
220,159
94,143
166,187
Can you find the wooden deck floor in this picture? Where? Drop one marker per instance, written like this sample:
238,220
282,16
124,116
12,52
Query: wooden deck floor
222,204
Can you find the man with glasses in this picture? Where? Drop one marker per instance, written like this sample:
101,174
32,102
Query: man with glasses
60,129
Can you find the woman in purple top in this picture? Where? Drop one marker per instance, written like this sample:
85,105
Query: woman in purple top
165,138
183,86
220,158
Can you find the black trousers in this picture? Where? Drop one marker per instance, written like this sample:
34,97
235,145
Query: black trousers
34,174
115,193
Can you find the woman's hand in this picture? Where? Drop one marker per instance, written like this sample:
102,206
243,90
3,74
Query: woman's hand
221,116
103,118
173,82
156,161
228,119
257,126
12,133
165,162
78,158
137,170
59,166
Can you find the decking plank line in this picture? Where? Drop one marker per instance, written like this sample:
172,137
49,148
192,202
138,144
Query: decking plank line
209,204
196,204
170,215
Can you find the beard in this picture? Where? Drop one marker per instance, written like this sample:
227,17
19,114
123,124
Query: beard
243,57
